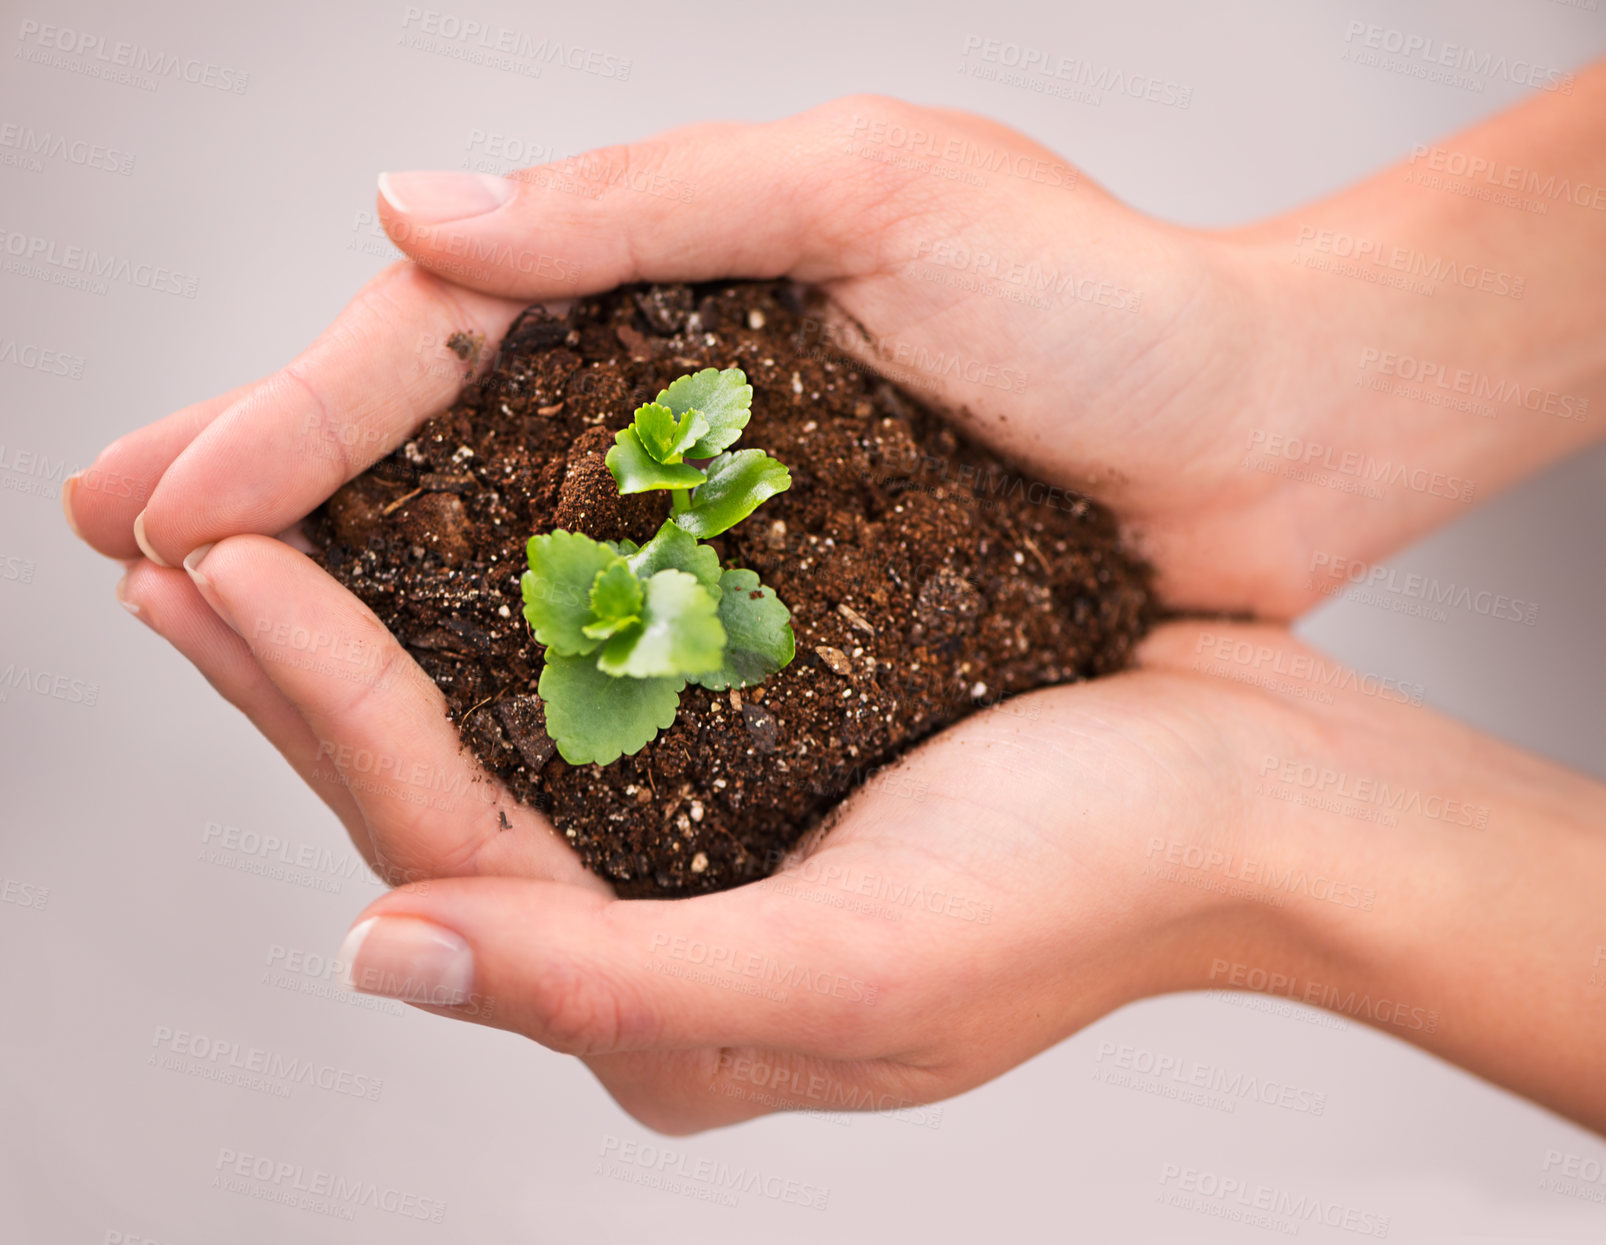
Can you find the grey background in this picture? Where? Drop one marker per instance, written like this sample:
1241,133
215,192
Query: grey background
258,195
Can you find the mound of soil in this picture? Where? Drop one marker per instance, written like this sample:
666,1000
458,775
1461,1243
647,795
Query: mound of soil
926,580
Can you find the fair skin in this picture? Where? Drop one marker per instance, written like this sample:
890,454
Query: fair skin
1105,830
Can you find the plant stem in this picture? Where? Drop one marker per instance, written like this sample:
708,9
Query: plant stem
679,500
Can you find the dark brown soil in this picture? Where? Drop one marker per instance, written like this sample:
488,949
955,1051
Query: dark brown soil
925,579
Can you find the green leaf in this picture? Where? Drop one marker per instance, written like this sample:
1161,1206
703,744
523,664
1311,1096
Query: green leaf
615,600
737,485
594,717
557,588
721,398
679,632
664,437
636,471
758,633
674,549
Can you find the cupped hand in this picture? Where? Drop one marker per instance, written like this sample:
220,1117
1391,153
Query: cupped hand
1096,347
969,908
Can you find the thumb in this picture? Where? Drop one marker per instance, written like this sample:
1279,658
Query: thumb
585,974
786,198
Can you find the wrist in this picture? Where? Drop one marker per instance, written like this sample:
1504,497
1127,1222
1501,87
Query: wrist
1414,876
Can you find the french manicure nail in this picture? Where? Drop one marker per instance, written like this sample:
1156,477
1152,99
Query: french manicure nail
67,487
192,564
431,198
407,958
203,583
122,599
145,545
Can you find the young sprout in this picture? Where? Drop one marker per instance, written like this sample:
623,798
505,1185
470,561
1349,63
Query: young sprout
626,627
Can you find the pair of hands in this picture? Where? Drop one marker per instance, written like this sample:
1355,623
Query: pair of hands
923,946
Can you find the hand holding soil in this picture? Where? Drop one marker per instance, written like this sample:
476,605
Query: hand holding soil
1014,877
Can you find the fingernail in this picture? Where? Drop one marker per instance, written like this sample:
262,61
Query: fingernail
67,487
145,545
122,598
192,564
203,583
406,958
433,197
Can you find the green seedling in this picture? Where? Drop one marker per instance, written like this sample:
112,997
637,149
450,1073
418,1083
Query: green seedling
627,627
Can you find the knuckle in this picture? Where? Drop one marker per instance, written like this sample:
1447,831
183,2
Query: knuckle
322,431
575,1013
867,198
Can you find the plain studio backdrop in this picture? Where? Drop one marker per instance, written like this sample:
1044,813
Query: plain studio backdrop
262,199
